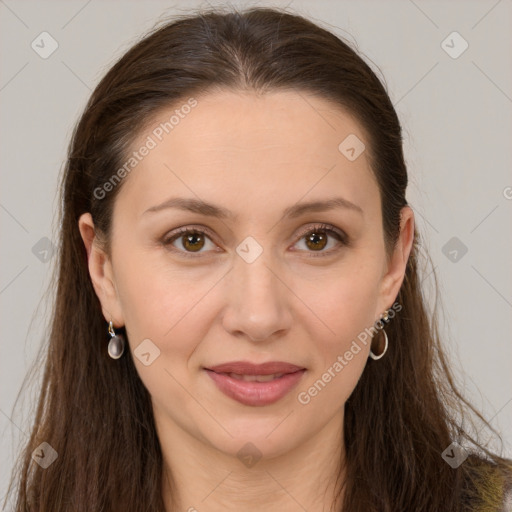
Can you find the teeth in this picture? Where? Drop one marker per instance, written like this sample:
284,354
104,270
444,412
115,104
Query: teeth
255,378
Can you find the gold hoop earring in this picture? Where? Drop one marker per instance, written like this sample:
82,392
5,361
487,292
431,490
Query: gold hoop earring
379,325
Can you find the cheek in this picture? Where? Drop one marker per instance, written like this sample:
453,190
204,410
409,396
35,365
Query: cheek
156,299
164,306
345,303
345,300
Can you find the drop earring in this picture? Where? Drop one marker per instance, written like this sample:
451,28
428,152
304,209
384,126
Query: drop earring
116,343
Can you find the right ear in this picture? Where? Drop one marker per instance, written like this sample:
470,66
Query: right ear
101,272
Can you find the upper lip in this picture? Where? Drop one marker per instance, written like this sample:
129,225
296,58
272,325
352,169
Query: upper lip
247,368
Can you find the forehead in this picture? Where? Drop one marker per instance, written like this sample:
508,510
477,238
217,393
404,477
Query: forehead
247,149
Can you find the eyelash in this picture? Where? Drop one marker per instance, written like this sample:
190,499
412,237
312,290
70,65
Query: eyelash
324,228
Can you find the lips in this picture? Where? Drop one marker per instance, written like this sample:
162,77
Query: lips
255,384
246,368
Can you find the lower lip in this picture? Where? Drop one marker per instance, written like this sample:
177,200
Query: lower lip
256,393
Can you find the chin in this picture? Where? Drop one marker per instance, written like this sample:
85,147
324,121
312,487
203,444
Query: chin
263,437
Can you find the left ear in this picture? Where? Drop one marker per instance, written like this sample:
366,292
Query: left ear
394,271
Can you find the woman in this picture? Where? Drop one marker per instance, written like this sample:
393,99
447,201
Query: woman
239,323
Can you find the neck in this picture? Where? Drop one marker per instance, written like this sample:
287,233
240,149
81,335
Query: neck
198,477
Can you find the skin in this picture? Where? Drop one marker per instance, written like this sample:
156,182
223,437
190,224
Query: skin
254,155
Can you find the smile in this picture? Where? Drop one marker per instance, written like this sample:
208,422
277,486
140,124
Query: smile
256,390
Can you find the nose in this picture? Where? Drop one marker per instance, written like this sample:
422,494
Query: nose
258,300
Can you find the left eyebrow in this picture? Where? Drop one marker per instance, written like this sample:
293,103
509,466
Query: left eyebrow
320,206
212,210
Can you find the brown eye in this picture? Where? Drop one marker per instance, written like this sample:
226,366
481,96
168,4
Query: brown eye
193,241
188,241
316,239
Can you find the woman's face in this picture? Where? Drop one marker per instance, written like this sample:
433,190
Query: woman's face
258,285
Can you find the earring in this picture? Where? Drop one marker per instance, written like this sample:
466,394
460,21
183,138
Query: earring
116,343
379,325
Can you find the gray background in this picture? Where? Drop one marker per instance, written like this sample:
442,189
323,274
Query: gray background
456,116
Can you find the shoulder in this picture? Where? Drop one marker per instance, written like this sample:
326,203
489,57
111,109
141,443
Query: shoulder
507,499
488,484
507,502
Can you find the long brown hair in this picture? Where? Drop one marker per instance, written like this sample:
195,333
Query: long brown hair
97,414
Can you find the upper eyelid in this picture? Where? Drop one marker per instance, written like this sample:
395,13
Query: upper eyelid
169,238
323,226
